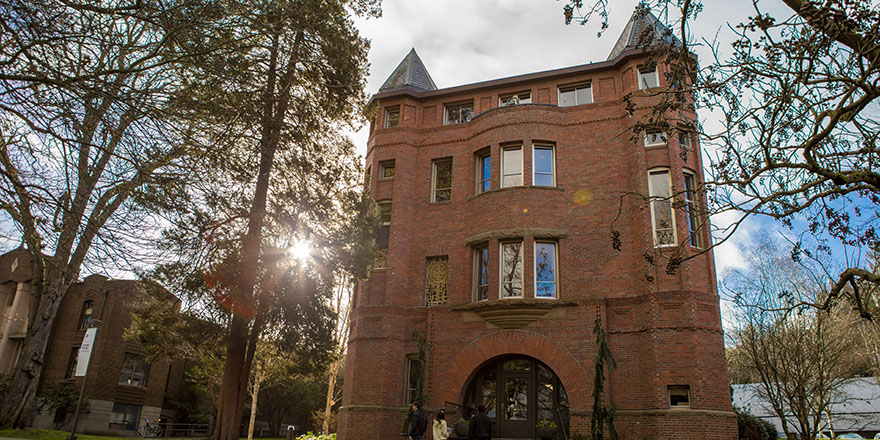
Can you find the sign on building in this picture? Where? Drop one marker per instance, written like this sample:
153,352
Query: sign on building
85,351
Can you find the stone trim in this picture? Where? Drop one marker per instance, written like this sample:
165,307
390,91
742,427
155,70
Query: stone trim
382,408
501,234
509,188
660,413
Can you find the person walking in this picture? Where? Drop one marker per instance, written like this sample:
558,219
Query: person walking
480,426
440,430
419,423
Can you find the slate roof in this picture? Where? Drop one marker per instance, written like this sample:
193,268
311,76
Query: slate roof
410,72
642,30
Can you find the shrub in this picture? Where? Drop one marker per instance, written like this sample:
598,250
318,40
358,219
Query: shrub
753,428
312,436
545,423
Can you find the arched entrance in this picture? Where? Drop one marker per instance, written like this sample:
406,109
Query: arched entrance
517,391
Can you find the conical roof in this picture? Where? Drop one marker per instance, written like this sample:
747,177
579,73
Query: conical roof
410,72
642,30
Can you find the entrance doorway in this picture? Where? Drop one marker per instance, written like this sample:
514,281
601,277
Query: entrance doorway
517,391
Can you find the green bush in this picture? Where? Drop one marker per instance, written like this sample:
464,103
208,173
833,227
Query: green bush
312,436
753,428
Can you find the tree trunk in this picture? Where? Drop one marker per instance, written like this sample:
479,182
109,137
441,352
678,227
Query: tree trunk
258,378
331,389
15,410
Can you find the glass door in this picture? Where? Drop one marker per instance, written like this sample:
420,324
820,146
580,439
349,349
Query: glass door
517,406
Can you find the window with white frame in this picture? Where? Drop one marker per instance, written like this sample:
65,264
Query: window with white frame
545,269
648,77
693,219
441,181
679,396
514,99
511,270
458,113
392,116
543,165
575,95
511,166
386,169
662,218
413,376
484,171
385,212
684,139
654,138
481,273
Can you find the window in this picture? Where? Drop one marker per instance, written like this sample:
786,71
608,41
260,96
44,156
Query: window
684,140
542,166
71,363
385,212
134,370
575,95
481,273
511,167
386,169
484,172
85,316
413,377
392,117
125,416
648,77
661,208
679,396
458,113
514,99
654,138
690,200
511,270
436,277
441,182
545,270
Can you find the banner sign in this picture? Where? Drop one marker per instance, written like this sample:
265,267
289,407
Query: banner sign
85,352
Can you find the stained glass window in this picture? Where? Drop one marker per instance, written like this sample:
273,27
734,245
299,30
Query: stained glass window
437,274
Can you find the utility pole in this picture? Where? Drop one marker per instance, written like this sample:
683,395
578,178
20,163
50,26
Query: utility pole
87,350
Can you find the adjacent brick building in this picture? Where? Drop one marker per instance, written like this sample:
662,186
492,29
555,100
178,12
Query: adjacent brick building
122,387
498,201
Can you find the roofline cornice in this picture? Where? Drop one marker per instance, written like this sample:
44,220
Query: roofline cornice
421,94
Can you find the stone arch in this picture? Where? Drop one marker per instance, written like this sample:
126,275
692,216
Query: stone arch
461,369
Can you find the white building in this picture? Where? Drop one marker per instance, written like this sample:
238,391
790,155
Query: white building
855,408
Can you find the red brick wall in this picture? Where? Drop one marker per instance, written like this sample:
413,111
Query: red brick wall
664,329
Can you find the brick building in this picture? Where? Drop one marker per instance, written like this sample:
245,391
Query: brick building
123,389
498,200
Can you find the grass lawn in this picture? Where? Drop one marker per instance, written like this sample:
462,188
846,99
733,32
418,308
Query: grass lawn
50,434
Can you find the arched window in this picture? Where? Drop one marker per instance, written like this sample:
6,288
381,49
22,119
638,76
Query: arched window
85,317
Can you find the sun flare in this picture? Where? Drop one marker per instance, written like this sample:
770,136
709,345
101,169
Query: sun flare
301,250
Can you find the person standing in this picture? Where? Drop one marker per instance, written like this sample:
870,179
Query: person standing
419,423
439,430
480,426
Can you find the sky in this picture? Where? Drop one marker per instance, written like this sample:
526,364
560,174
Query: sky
467,41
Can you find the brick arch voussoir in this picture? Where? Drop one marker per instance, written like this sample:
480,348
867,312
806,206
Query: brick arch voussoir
460,370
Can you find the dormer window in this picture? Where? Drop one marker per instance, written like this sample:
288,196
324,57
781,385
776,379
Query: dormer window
648,77
458,113
392,116
515,99
575,95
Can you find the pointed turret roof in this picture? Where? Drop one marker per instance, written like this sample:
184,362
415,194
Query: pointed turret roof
642,30
410,72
